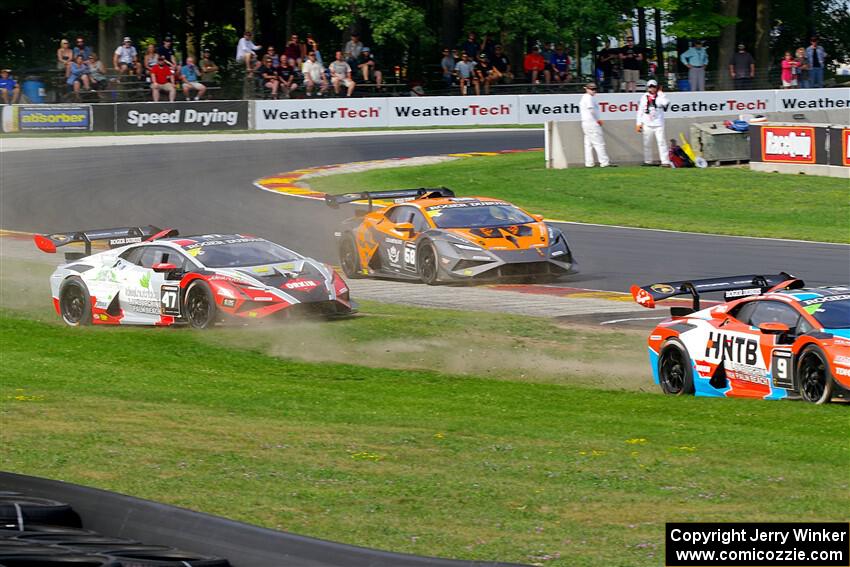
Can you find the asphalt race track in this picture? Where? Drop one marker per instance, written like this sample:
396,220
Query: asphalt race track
207,188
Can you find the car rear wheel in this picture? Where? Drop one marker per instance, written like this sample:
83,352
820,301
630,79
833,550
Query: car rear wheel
349,258
674,370
200,306
427,263
815,383
75,303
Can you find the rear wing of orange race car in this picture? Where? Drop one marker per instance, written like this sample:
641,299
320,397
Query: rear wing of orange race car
115,237
334,201
733,286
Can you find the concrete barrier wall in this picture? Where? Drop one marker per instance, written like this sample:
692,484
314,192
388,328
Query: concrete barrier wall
625,146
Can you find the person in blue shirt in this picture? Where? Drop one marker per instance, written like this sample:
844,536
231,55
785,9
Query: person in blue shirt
189,73
696,60
80,48
10,90
560,64
78,74
816,58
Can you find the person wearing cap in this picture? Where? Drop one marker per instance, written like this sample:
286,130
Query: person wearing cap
742,68
246,50
352,50
162,78
650,121
591,125
368,68
10,90
167,50
125,59
695,59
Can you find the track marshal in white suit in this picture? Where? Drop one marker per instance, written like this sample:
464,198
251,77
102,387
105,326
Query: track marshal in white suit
650,121
591,125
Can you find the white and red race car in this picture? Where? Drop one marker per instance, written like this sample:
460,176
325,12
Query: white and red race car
154,277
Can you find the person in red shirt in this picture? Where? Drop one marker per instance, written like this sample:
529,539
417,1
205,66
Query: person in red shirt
162,78
534,66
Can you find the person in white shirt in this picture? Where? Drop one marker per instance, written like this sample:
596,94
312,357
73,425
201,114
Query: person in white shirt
650,121
246,50
314,74
125,59
591,125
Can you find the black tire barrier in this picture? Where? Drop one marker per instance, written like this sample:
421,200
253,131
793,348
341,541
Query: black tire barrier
245,545
59,561
112,549
21,510
172,558
29,549
44,529
71,539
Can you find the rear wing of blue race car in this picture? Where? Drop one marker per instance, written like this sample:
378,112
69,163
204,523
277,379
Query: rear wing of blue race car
115,237
733,286
334,201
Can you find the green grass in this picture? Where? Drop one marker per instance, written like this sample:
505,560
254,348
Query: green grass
414,461
716,200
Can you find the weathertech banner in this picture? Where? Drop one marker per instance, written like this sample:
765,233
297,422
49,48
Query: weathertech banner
320,113
750,544
452,110
55,117
788,144
182,116
535,109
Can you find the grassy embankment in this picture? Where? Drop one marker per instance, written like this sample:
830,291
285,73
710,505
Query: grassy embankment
417,461
715,200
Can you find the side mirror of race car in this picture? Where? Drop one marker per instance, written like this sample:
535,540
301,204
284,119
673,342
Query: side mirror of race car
538,218
164,268
405,227
774,328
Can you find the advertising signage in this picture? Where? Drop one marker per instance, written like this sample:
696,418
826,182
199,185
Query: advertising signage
43,117
182,116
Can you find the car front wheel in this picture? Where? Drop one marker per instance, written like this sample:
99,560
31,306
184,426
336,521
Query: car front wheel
813,379
201,310
427,263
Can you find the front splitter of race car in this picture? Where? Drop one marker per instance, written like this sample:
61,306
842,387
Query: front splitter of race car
459,261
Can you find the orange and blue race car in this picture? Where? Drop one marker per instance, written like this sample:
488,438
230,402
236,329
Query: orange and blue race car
433,236
773,338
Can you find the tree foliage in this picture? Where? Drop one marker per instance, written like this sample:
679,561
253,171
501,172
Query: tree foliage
399,21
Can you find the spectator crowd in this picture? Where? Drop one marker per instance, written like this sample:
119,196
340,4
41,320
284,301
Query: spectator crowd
476,66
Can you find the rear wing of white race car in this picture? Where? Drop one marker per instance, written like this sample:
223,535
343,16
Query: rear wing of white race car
733,286
115,237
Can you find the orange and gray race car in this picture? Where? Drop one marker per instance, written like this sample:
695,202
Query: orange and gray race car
433,236
773,338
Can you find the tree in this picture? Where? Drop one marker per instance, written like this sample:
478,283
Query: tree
728,8
388,20
762,48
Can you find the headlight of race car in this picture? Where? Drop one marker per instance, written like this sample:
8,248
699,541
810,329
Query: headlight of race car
467,247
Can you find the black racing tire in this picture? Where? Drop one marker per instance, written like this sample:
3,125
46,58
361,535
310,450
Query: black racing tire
199,305
349,258
75,303
675,371
427,263
31,510
814,382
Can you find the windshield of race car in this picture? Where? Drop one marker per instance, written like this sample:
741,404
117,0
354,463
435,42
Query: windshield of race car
477,214
239,253
831,314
